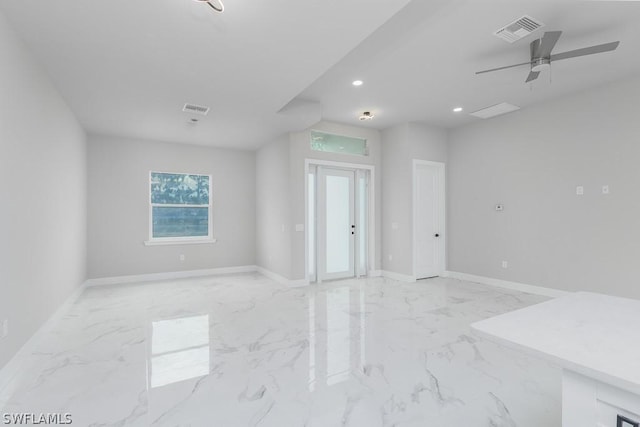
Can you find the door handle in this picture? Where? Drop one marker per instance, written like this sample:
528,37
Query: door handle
352,229
437,235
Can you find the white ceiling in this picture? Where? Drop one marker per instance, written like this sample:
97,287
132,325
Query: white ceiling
266,67
422,63
127,67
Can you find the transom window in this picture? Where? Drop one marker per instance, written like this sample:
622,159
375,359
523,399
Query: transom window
339,144
180,207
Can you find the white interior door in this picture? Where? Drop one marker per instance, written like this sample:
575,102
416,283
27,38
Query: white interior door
336,223
428,199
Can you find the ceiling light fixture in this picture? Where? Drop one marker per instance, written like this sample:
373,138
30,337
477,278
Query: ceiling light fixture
457,110
216,5
366,116
357,83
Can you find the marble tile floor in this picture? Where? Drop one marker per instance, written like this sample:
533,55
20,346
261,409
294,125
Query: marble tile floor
243,350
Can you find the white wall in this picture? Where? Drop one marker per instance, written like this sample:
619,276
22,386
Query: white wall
300,149
118,206
273,207
400,145
43,211
532,161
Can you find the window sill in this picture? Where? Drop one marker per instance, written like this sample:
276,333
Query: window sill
180,242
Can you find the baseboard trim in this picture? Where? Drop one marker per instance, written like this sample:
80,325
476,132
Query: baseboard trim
281,279
398,276
22,360
170,275
522,287
375,273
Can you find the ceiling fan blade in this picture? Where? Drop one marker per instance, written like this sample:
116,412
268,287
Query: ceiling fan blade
607,47
532,76
503,68
548,42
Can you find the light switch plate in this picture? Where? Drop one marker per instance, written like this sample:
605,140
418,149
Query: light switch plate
605,189
299,227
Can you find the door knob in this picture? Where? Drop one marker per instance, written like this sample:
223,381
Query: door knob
437,235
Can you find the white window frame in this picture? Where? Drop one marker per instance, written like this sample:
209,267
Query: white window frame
185,239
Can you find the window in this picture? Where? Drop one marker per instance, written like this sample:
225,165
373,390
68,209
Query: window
180,207
321,141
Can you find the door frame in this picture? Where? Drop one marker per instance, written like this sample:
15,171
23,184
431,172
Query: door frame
441,213
371,232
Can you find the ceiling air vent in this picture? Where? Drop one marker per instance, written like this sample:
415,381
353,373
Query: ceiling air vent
495,110
197,109
519,29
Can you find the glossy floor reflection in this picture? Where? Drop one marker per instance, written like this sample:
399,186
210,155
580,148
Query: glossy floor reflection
245,351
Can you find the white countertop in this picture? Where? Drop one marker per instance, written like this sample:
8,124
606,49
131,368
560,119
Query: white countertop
595,335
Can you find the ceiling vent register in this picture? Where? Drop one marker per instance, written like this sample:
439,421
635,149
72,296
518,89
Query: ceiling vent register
196,109
519,29
495,110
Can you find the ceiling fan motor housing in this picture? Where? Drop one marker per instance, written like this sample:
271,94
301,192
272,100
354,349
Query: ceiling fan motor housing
540,64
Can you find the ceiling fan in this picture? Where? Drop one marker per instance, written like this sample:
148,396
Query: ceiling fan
542,58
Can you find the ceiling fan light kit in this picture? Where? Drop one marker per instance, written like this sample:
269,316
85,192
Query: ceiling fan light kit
541,56
366,116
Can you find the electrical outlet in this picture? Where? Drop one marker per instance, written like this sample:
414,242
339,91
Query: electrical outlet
505,264
390,257
605,189
580,190
4,328
182,257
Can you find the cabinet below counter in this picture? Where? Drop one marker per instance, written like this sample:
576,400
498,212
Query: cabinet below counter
595,339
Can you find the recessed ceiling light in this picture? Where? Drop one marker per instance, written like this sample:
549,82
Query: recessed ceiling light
457,109
357,83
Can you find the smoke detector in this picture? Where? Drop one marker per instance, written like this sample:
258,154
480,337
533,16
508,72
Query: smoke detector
518,29
366,116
